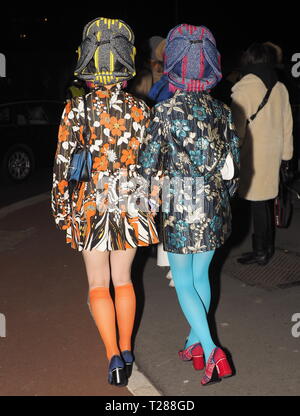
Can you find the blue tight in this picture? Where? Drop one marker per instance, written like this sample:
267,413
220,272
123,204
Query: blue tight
190,276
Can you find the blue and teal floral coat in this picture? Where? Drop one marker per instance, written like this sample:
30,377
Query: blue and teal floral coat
188,140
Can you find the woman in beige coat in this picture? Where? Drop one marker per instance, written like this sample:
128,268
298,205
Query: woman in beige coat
266,141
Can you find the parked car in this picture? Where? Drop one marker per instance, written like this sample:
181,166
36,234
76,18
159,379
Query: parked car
28,132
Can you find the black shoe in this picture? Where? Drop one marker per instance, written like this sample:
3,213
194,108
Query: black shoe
260,258
259,254
128,360
116,372
270,251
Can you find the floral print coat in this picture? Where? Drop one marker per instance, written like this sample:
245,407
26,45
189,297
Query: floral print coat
98,214
188,140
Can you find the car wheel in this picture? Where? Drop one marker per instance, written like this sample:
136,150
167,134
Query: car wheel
18,164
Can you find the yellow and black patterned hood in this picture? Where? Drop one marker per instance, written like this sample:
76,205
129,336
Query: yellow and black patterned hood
107,52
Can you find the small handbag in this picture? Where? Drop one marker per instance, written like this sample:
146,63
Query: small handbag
283,204
80,168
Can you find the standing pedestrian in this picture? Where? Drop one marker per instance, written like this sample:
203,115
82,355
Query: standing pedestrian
152,70
266,141
190,137
98,217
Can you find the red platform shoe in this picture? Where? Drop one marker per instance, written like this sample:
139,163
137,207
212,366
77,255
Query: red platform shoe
217,367
193,352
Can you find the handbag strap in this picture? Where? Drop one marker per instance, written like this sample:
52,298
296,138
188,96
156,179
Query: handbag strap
262,104
86,133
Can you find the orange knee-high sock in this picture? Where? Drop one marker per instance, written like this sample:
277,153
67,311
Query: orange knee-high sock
103,311
125,304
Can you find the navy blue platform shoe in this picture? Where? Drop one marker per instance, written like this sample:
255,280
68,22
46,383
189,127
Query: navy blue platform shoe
116,372
128,360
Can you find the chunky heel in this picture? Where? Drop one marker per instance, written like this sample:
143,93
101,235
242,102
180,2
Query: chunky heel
128,360
198,362
217,367
223,368
128,369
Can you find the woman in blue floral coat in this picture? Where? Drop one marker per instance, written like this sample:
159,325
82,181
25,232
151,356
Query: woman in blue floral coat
189,139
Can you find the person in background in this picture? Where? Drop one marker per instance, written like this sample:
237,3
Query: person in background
266,142
284,72
159,92
97,217
189,138
76,89
152,71
160,89
157,47
278,52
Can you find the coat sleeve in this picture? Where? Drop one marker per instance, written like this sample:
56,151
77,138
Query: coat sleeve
66,144
234,146
287,152
150,162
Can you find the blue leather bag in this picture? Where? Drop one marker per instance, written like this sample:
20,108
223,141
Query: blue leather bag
80,168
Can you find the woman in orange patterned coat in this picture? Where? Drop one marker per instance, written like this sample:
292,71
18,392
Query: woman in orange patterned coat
100,217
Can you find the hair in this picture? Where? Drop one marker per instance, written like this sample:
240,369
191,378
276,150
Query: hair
259,53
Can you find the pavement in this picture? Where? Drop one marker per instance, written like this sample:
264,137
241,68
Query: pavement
52,348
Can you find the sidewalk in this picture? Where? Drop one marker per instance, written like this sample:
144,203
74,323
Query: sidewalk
52,347
252,323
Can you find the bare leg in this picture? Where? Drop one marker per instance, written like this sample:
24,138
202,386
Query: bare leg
125,302
97,268
121,262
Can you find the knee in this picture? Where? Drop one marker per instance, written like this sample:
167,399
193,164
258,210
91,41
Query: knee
120,279
201,280
182,283
96,280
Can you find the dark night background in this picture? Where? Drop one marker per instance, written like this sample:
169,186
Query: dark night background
42,284
40,42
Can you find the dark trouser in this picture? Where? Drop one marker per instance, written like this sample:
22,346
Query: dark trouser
262,213
263,221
